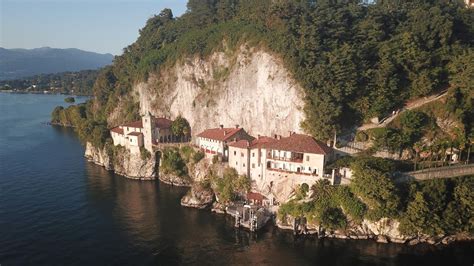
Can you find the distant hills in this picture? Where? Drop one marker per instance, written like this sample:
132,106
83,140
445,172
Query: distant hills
18,63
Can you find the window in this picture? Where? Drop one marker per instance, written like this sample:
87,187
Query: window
307,158
236,163
235,153
253,165
243,165
253,154
241,154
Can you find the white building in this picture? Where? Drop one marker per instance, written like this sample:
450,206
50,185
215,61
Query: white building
146,132
280,164
214,141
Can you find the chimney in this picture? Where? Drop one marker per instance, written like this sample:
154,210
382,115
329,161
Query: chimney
275,136
221,126
291,133
225,133
279,137
248,143
236,126
258,136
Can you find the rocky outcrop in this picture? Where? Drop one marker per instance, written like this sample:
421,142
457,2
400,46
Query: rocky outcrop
198,196
98,156
383,231
249,87
179,181
123,162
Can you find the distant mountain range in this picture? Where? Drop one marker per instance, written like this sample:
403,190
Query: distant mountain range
18,63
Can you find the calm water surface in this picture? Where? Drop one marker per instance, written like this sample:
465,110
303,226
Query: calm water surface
58,209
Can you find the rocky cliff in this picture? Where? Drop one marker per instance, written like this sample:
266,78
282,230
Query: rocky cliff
249,87
123,162
383,231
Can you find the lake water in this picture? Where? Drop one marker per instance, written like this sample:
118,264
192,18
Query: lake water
58,209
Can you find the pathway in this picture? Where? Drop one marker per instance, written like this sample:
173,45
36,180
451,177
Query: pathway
409,106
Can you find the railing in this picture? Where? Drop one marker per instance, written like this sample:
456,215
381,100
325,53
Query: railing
291,172
294,160
442,172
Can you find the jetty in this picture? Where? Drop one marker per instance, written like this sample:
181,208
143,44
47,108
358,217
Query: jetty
251,217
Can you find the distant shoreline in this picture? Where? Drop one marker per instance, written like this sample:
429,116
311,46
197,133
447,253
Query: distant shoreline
44,93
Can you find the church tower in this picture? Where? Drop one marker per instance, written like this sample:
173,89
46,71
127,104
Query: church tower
148,128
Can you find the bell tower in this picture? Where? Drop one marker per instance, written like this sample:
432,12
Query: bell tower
148,128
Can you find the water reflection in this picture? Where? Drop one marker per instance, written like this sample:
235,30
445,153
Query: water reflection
151,220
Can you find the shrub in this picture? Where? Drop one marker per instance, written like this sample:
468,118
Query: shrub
172,163
361,136
69,99
198,156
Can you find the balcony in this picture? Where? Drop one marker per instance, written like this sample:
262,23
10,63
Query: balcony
290,172
295,158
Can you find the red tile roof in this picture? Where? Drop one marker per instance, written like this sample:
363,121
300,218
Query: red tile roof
255,196
135,134
256,143
220,134
159,122
135,124
163,122
117,130
242,144
299,143
262,141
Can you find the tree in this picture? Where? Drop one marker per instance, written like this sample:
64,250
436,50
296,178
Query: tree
377,191
333,218
416,217
180,127
69,99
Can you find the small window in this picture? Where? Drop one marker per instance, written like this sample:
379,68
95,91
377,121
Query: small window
236,163
253,154
235,153
307,158
243,165
253,165
241,154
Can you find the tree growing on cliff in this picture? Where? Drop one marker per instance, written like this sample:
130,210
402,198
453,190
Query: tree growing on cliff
180,127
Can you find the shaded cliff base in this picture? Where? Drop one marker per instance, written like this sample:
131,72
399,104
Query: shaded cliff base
383,231
123,162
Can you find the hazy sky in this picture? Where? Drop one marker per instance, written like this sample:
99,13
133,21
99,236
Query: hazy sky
104,26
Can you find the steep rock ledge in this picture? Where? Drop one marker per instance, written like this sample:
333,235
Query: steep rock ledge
122,162
383,231
198,197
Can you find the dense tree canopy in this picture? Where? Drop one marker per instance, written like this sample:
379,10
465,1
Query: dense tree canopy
355,60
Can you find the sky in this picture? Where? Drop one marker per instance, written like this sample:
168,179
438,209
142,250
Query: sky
103,26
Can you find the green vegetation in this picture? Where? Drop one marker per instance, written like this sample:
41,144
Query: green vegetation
441,206
144,154
77,116
355,61
176,161
69,100
181,128
173,163
77,83
231,186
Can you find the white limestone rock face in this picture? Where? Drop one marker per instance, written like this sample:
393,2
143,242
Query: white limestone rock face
125,163
198,197
250,88
98,156
131,165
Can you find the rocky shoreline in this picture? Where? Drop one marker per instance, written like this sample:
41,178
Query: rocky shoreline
200,197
